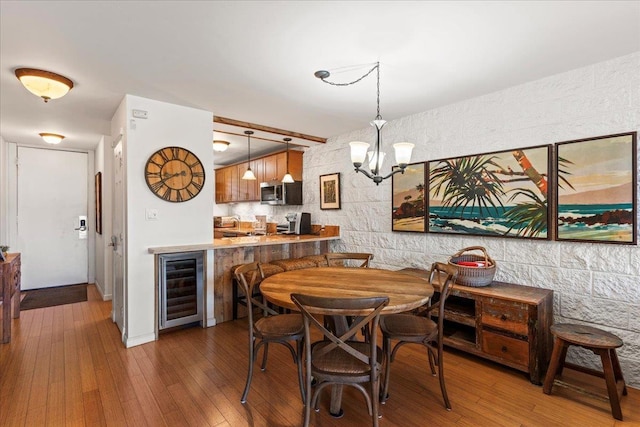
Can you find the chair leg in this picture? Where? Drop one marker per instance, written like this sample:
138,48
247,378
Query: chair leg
265,352
609,376
375,390
300,349
559,349
432,363
386,349
443,388
249,375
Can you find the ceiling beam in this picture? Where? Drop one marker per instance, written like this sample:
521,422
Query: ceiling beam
232,122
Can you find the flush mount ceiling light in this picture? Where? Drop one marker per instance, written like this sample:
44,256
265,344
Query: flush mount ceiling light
52,138
220,146
359,148
287,179
249,173
44,84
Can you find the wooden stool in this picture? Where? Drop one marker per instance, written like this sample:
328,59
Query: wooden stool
598,341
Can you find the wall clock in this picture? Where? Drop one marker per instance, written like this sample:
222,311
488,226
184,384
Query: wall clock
174,174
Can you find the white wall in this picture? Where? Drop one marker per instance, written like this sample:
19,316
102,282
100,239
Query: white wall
596,284
179,223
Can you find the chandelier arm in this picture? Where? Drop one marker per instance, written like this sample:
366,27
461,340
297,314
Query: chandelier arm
355,81
364,171
394,171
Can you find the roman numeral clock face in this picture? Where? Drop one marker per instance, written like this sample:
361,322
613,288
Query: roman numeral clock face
174,174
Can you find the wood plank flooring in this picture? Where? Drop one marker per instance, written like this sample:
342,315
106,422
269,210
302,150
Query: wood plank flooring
66,365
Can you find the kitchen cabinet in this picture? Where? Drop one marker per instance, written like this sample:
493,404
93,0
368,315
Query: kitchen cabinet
249,190
230,187
227,184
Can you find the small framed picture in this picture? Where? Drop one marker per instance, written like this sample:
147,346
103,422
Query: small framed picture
330,191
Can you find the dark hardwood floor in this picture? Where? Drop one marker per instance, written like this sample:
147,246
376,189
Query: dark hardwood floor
66,365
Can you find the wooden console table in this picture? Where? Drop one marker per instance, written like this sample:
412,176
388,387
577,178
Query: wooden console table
10,284
503,322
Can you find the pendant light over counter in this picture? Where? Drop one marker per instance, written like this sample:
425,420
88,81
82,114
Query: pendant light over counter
249,173
287,179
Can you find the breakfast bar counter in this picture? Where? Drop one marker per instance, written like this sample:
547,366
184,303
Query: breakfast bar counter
224,253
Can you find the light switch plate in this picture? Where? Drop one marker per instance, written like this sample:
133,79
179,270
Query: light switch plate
151,214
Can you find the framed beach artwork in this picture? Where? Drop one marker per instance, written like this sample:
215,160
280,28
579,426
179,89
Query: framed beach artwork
408,199
503,193
596,196
330,191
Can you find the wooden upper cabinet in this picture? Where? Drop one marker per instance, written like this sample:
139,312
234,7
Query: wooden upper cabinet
248,190
275,166
226,184
230,187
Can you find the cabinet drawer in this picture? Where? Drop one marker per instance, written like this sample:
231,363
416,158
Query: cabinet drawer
506,315
511,349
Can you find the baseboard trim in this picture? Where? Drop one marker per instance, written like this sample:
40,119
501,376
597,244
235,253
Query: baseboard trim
139,340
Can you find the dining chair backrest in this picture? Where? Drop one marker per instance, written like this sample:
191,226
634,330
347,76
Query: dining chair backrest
249,277
365,311
442,276
348,259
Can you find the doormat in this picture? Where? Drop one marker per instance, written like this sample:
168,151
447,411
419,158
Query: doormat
49,297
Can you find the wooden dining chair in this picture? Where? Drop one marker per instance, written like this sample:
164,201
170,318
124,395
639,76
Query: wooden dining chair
419,328
340,359
348,259
270,328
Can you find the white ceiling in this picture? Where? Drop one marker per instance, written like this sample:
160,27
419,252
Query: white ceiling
254,60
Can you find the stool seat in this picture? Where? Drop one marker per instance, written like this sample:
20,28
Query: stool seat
602,343
586,336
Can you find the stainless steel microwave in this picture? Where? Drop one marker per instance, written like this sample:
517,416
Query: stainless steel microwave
278,193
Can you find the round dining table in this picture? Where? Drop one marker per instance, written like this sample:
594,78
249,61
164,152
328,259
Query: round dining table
405,292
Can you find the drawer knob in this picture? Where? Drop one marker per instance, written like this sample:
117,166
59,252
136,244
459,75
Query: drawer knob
504,349
503,317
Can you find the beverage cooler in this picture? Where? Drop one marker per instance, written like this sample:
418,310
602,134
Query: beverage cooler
181,289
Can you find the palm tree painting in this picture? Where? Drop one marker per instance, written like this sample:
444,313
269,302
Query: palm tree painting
408,199
596,189
495,194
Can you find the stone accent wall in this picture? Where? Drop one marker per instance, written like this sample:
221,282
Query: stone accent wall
595,284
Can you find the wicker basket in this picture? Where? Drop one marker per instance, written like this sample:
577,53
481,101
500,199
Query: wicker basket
474,276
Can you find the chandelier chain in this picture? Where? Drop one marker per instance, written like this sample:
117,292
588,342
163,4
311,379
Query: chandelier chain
357,80
378,116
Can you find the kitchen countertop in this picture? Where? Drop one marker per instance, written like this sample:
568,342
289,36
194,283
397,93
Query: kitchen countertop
237,242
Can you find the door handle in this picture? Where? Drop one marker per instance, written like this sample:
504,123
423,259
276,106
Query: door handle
82,228
114,243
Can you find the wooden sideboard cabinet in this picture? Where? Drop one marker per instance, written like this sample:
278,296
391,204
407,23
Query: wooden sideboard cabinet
503,322
10,288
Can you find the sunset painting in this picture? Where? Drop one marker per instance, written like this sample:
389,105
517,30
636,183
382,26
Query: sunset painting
408,199
596,189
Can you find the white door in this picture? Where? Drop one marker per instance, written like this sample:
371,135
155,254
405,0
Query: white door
52,197
118,238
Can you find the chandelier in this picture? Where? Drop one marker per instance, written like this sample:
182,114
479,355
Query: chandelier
360,150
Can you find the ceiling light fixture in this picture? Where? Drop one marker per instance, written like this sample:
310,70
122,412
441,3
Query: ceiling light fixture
44,84
359,148
249,173
220,146
287,179
52,138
